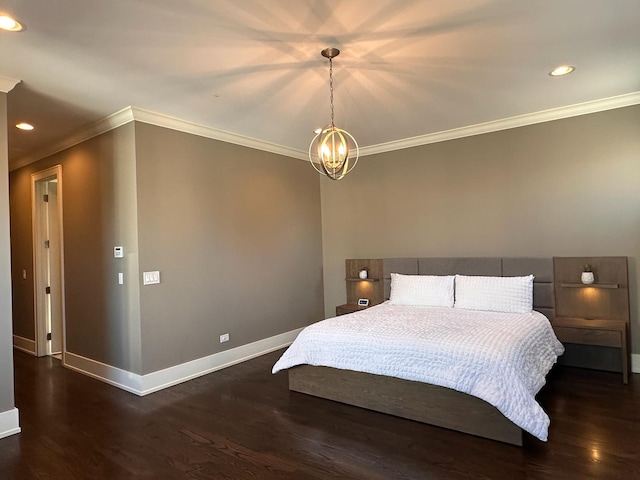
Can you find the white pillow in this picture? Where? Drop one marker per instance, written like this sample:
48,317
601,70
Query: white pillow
422,290
498,294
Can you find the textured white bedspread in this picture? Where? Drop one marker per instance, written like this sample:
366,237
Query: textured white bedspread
502,358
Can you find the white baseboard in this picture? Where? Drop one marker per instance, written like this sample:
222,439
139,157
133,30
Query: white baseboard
152,382
9,423
24,345
117,377
635,362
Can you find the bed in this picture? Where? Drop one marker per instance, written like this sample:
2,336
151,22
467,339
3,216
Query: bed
457,395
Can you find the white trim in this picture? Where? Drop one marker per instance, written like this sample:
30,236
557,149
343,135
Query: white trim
40,280
160,120
25,345
152,382
508,123
9,423
105,373
635,362
7,83
113,121
129,114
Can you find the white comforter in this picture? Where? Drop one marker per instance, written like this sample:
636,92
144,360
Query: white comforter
502,358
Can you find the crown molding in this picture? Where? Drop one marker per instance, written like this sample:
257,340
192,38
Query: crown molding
507,123
160,120
7,84
113,121
129,114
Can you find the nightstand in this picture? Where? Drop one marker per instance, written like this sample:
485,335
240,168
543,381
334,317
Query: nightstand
371,288
348,308
601,333
593,319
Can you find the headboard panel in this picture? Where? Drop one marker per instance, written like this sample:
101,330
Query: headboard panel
406,266
540,267
488,266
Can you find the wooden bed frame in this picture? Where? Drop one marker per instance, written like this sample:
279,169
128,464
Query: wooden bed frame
403,398
423,402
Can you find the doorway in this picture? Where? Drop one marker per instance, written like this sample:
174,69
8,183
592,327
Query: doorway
46,202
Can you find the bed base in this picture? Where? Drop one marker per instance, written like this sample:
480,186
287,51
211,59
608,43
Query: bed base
403,398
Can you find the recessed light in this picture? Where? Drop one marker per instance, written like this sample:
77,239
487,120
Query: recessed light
10,24
562,70
24,126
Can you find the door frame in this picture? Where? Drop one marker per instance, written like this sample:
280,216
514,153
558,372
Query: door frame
40,280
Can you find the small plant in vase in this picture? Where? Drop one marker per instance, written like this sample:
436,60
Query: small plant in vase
587,276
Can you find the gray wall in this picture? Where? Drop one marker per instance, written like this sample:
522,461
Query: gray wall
568,187
99,211
242,237
235,232
21,254
236,235
6,351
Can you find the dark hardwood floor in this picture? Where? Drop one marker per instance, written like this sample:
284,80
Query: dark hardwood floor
243,423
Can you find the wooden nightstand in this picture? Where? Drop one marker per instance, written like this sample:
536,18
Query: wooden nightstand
593,316
602,333
348,308
371,288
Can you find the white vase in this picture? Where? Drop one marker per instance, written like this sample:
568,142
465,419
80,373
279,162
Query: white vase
587,278
363,274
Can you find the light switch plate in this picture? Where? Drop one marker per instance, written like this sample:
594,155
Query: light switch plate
150,278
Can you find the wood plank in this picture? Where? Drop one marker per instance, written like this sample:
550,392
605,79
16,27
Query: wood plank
604,338
356,288
413,400
592,285
243,423
591,302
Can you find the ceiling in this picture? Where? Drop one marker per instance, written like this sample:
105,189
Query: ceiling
253,67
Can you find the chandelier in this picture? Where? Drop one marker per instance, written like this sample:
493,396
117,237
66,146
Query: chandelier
333,151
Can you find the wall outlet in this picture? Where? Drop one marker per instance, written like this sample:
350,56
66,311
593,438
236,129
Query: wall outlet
224,338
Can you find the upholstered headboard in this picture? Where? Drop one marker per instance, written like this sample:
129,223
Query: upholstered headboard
540,267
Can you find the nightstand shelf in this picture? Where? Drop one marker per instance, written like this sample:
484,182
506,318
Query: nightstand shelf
592,285
370,288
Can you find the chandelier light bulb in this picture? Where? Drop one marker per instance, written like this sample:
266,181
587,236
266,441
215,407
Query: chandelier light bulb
333,151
